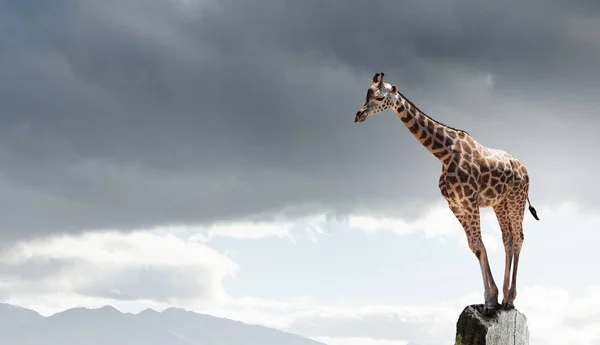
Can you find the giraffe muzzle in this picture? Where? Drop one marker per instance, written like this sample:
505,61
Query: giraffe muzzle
361,116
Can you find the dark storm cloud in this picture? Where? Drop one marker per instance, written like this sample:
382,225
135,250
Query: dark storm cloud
138,113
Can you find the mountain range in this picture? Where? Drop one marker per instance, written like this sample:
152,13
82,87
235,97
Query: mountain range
109,326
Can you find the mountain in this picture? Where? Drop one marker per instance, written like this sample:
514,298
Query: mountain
108,326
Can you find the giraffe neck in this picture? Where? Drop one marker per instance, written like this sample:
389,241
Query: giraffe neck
436,137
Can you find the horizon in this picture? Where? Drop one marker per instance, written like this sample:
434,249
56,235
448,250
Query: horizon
203,155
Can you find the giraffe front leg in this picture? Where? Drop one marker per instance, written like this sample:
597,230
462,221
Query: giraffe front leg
490,290
470,221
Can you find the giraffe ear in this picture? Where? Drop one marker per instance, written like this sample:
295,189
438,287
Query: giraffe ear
394,89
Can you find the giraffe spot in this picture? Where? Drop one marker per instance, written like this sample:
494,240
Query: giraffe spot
463,175
440,135
452,134
437,145
414,128
465,165
496,173
500,188
452,166
489,193
467,149
468,190
440,154
427,142
472,181
401,108
423,135
485,178
447,160
522,236
430,126
495,181
451,179
478,254
484,168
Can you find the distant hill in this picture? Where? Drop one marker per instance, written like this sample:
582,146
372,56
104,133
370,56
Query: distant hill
108,326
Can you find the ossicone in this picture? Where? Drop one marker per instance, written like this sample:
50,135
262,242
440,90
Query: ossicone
381,80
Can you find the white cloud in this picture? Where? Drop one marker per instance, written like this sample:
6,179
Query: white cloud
133,271
278,227
117,266
437,223
243,230
555,317
373,224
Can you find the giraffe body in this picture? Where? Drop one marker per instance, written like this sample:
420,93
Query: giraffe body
473,176
480,176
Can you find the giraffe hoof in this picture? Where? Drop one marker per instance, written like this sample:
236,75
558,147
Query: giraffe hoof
508,306
490,309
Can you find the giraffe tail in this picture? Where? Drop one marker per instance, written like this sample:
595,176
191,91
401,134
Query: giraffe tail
532,209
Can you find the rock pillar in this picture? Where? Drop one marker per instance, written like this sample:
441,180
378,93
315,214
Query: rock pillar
504,327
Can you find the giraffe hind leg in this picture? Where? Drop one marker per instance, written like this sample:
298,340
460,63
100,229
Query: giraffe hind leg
517,200
517,243
507,237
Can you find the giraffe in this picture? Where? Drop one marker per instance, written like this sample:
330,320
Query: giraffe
473,176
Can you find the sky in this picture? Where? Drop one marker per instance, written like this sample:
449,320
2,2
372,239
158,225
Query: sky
203,154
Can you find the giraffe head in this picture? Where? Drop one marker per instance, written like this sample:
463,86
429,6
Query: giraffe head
379,97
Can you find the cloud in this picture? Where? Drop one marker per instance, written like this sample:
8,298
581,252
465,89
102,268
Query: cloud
177,264
158,269
209,115
437,223
554,315
113,266
279,227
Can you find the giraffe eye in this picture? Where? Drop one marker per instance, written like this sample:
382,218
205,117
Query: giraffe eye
380,98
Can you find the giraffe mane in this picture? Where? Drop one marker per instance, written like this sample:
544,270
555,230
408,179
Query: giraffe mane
427,116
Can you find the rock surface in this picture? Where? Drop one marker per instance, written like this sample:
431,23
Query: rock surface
505,327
